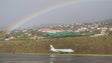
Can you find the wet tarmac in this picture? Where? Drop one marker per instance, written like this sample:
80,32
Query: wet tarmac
25,58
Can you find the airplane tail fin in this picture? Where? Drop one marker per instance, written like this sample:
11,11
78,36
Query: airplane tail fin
51,47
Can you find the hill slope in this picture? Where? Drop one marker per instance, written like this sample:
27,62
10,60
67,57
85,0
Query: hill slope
81,45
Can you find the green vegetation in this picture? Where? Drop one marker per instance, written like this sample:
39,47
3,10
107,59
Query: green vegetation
81,45
62,34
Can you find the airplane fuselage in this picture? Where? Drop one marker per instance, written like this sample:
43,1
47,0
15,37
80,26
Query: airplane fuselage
61,50
64,50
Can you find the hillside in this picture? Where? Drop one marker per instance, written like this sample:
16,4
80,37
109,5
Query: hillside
81,45
107,23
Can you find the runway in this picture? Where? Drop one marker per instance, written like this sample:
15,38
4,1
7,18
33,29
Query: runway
35,58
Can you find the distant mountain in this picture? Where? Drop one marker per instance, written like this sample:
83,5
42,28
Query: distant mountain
3,28
106,23
109,21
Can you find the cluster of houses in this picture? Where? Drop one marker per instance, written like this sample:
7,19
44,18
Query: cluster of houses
82,28
62,28
48,30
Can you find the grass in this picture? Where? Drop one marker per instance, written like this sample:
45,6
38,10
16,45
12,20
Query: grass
91,46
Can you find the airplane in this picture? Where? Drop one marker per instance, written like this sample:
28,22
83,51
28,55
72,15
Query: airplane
60,50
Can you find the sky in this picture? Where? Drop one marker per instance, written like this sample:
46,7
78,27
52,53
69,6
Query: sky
13,11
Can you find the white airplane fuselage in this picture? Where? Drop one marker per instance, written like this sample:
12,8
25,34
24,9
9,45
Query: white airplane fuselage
60,50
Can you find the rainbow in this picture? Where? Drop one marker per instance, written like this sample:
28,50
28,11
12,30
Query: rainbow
41,12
